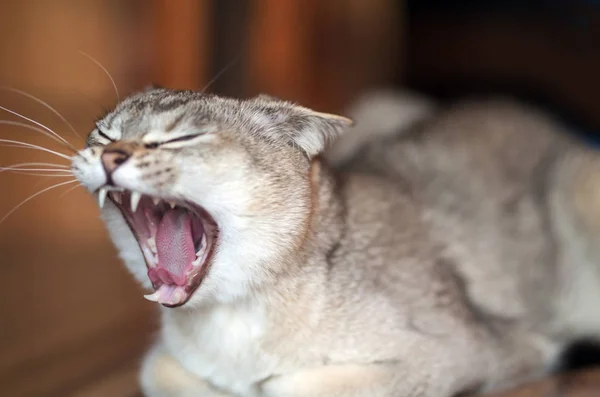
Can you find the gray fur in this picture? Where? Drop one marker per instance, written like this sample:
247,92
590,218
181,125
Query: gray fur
458,254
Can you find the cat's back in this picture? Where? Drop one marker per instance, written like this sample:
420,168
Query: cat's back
497,142
481,170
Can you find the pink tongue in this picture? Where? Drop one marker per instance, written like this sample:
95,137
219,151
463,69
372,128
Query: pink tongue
175,244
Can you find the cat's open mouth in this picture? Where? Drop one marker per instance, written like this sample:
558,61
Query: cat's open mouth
177,240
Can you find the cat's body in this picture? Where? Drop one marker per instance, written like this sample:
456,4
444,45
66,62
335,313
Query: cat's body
457,254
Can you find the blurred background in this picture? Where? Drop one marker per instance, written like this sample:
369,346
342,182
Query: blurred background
73,323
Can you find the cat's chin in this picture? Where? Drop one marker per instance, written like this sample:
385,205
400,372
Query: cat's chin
177,239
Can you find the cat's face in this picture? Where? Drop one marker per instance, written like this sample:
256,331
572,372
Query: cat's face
204,196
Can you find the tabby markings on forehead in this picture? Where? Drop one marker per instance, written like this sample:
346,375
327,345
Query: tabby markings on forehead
174,123
168,104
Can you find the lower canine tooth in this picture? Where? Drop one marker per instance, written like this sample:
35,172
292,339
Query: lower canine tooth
197,261
177,297
153,297
135,200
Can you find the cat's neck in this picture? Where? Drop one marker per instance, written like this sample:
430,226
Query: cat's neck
327,208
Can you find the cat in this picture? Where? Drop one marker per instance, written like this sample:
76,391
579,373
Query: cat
424,251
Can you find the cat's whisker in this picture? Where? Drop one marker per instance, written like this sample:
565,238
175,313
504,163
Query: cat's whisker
54,170
105,71
70,146
45,104
33,128
35,170
37,174
38,170
34,196
221,72
69,190
26,145
38,164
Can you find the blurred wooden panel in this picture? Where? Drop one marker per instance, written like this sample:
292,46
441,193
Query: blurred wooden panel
40,40
121,382
323,54
182,36
358,46
280,48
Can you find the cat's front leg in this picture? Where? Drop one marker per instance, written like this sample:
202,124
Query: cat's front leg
162,376
375,380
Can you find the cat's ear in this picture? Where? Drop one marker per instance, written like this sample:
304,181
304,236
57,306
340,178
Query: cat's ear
304,128
313,131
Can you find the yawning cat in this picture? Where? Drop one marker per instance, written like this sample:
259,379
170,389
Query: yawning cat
441,251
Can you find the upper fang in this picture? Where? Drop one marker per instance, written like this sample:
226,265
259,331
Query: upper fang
101,197
135,200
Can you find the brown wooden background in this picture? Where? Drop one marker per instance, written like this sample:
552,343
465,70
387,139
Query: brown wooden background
73,323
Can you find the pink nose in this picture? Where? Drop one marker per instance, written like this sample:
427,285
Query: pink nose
112,159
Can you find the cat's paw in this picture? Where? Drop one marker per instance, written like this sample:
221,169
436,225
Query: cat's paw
162,376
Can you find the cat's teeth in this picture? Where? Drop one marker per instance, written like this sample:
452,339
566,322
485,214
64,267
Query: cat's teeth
197,261
117,197
135,200
172,204
155,200
153,297
151,244
177,296
102,197
200,253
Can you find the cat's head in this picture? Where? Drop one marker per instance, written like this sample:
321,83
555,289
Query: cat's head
203,195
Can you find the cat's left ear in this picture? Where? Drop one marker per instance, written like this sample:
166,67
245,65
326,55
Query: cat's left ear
313,131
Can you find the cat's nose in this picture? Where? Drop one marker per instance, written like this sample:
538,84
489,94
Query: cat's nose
111,160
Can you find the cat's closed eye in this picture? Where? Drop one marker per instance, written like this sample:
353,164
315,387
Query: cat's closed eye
103,135
184,138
